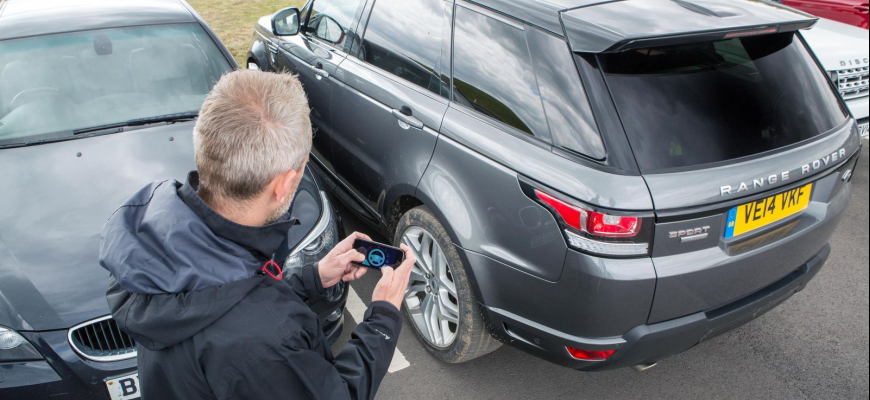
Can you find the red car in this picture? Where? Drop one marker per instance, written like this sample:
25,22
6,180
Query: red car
852,12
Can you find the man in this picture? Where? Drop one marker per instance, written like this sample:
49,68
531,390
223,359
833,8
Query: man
187,265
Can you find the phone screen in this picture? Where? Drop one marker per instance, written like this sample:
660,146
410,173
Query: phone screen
378,255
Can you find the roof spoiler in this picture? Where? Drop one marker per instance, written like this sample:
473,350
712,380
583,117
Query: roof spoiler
712,36
609,26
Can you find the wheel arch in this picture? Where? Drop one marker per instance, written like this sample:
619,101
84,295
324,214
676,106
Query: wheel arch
398,208
433,206
258,53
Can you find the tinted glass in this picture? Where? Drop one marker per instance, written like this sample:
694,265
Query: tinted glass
492,72
403,37
330,20
53,85
710,102
572,125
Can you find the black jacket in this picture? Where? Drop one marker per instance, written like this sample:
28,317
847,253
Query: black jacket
185,285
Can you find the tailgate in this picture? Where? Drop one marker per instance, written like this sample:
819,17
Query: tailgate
701,267
714,186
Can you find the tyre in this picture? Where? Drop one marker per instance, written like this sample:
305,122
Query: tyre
439,302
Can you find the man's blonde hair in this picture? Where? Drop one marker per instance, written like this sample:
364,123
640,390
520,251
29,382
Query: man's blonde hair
253,126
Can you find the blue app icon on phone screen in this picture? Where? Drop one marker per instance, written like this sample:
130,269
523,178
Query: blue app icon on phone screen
376,258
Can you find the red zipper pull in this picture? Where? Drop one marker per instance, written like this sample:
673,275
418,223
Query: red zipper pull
268,271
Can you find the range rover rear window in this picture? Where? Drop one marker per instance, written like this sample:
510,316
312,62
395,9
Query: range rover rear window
703,103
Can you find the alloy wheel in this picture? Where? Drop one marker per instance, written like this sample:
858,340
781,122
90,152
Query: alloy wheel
431,298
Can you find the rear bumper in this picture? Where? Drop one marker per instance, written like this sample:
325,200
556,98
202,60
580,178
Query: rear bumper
652,343
647,344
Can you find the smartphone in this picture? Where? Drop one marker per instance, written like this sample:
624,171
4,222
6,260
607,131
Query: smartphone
378,255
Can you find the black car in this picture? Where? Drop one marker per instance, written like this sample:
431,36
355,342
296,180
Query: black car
97,99
603,184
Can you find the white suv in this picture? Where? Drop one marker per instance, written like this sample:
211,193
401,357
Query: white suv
844,53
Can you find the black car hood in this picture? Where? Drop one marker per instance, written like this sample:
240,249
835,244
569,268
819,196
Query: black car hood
55,200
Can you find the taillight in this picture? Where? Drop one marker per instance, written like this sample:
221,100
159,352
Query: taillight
591,222
597,232
590,355
612,226
570,215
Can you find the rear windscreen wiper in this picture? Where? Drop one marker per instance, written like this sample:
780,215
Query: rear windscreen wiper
141,121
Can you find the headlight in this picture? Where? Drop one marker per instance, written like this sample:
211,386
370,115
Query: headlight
14,348
315,246
318,243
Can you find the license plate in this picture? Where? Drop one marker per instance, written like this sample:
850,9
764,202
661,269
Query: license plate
126,388
863,129
756,215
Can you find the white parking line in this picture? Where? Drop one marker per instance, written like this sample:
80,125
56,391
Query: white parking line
357,310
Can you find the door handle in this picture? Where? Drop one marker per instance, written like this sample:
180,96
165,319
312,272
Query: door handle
405,118
320,72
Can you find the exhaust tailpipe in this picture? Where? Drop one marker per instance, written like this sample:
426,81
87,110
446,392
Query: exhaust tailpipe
644,367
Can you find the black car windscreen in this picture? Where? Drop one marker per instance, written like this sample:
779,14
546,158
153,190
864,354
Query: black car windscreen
703,103
55,85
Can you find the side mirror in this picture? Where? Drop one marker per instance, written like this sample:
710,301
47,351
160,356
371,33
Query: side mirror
329,29
286,22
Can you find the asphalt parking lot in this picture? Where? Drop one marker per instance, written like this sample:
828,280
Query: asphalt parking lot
815,346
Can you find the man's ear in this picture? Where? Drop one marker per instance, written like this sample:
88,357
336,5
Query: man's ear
284,183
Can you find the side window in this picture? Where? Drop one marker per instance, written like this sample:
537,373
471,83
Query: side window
403,37
569,114
330,20
493,74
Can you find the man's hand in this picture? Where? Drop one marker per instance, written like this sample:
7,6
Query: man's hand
393,284
337,267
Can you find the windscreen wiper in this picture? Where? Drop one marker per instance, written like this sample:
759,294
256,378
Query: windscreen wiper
141,121
108,129
61,139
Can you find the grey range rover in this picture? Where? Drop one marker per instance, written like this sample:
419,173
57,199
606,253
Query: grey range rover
602,184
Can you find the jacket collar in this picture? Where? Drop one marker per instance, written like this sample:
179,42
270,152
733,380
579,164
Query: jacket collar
262,241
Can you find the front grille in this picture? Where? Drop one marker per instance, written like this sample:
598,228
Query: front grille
853,82
101,340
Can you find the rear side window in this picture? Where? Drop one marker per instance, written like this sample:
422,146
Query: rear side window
493,73
696,104
569,114
403,37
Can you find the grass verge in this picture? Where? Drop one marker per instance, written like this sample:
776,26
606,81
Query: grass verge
234,20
